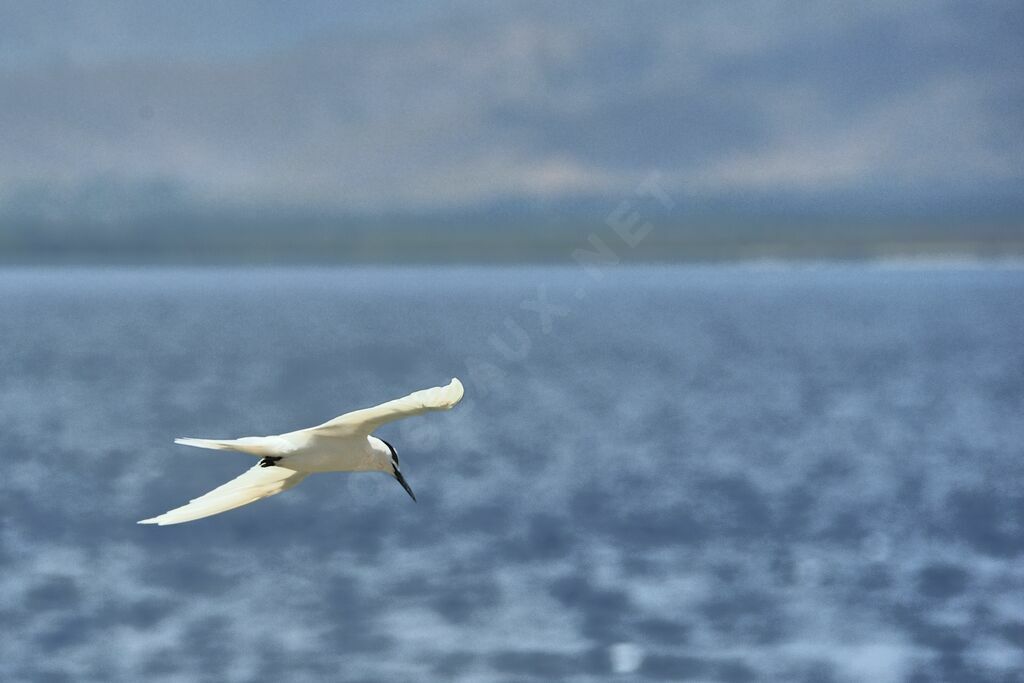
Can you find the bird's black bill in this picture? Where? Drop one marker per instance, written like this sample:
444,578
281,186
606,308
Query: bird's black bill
401,480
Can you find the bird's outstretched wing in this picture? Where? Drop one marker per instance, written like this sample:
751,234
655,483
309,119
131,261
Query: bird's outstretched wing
252,485
362,422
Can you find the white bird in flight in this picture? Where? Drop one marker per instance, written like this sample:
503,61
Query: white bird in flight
344,444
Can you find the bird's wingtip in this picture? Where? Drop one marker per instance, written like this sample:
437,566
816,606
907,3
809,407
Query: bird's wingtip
151,520
456,391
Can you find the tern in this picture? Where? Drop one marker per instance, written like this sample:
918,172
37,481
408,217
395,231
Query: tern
344,444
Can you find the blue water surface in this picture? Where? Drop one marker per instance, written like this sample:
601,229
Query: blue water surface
717,473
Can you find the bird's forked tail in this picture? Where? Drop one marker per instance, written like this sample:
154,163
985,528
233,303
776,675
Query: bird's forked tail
254,445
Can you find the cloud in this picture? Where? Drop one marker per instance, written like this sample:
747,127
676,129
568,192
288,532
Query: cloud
458,108
932,134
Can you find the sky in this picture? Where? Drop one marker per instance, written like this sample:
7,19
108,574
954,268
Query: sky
112,110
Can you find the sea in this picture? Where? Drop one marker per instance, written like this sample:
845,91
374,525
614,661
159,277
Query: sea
719,472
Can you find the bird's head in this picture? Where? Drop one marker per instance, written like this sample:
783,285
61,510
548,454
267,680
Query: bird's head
395,471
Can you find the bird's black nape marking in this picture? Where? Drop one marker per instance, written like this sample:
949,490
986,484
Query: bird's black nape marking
397,472
269,460
394,453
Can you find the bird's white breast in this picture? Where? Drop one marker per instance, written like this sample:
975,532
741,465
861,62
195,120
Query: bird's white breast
334,455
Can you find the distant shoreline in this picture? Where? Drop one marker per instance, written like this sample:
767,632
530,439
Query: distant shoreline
657,252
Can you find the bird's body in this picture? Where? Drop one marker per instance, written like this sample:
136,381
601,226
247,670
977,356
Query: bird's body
348,455
305,452
343,444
